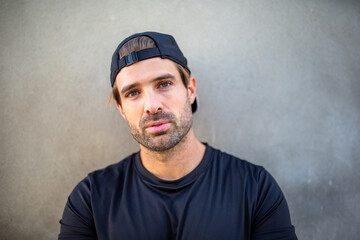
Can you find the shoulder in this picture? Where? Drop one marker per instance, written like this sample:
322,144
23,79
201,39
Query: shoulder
229,162
244,174
113,170
105,176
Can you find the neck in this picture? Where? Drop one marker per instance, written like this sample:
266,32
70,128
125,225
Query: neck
176,162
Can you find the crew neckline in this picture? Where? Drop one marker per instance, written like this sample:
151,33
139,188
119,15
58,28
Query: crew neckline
184,181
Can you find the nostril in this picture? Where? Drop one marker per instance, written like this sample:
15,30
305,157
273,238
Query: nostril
152,102
152,109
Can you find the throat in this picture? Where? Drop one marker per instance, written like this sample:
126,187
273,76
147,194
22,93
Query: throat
174,163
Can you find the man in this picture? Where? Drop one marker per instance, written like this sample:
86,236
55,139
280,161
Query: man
175,187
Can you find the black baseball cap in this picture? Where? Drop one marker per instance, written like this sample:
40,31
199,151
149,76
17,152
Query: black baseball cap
166,47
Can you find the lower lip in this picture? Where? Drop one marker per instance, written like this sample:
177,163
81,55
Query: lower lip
158,128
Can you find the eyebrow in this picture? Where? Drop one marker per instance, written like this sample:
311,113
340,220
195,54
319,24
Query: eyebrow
159,78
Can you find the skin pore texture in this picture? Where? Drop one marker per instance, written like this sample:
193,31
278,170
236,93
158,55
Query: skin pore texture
157,108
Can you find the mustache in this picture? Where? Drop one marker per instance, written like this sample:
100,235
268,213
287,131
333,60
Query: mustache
157,116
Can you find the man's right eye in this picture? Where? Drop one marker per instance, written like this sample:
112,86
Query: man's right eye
132,94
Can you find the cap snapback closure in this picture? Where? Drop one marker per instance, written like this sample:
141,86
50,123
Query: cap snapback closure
131,58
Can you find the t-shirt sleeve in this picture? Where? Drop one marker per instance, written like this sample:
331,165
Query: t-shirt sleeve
77,220
272,218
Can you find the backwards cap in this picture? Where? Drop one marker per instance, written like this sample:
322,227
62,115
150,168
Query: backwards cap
166,47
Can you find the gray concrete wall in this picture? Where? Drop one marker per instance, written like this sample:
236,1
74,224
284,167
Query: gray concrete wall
278,83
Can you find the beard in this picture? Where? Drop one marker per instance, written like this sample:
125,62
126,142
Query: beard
167,139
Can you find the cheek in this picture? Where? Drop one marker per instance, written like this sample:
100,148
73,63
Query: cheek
182,99
132,117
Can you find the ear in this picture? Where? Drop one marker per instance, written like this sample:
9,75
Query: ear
192,89
121,110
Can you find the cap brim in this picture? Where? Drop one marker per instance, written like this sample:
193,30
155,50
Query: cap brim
195,105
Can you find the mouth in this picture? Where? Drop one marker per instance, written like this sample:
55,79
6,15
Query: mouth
157,126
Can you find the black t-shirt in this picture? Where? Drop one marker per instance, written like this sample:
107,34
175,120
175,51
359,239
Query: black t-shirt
222,198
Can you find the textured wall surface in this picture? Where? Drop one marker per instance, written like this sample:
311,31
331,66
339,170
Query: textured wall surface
278,84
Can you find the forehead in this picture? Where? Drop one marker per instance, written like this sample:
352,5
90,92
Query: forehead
146,70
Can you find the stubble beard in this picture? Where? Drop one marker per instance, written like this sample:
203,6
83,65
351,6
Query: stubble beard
168,139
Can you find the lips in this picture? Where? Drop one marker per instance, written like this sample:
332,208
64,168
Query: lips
157,126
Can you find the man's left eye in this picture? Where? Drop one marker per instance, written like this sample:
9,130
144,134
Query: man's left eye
164,85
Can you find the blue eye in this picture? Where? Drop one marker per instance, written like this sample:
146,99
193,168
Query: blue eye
164,84
132,94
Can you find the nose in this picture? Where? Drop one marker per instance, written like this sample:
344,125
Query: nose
152,103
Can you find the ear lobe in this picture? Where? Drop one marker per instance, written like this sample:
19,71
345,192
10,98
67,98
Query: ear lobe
192,89
120,110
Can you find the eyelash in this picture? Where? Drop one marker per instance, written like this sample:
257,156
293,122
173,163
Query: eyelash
168,83
129,93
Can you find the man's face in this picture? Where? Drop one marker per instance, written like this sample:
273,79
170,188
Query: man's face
155,103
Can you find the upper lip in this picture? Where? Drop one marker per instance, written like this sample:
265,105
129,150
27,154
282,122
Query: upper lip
155,123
